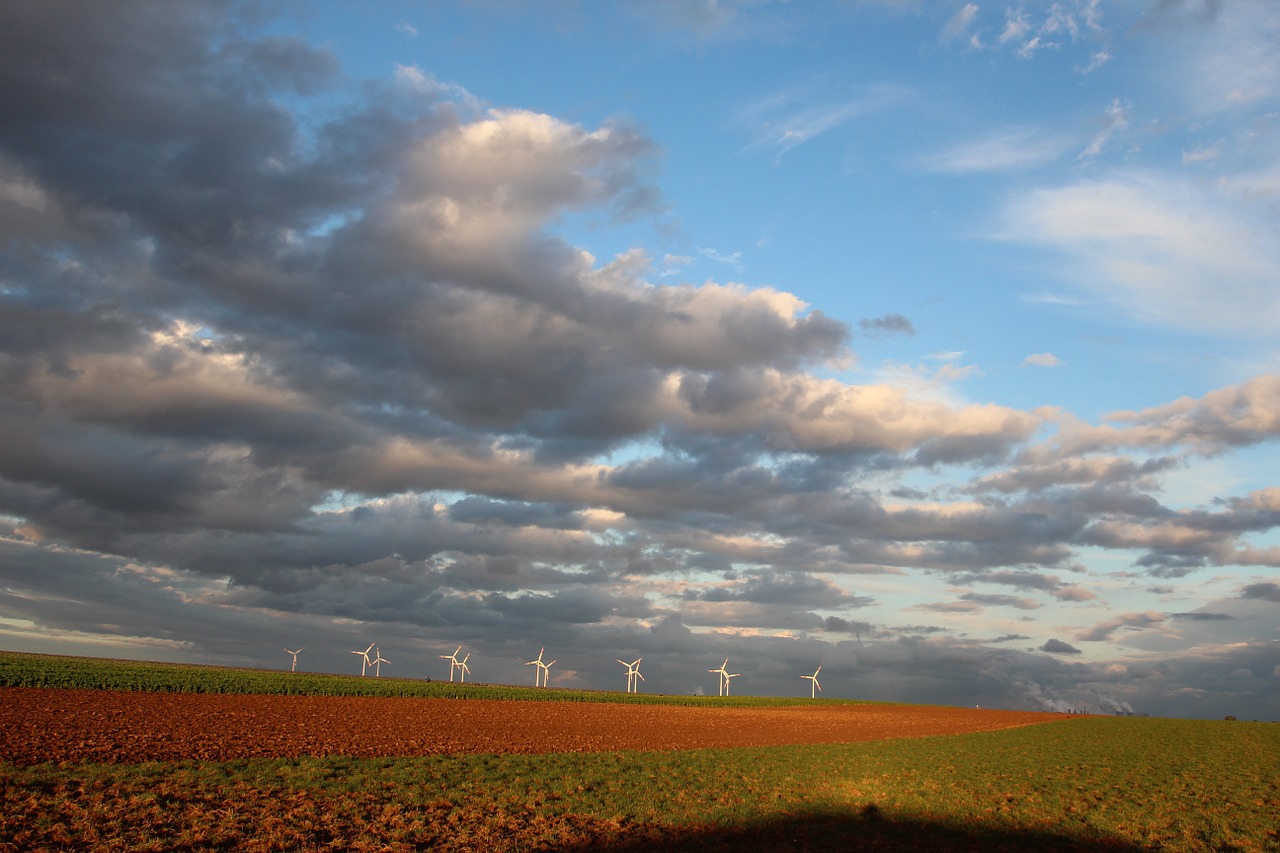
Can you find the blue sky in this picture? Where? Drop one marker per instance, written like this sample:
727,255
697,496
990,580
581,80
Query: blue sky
931,342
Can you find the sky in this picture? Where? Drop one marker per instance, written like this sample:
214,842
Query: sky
931,343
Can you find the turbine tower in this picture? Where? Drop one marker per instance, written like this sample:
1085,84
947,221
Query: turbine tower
364,658
295,657
633,673
455,664
463,668
540,675
378,661
815,687
724,675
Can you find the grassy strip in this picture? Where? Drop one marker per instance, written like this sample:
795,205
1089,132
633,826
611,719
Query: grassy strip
1098,783
32,670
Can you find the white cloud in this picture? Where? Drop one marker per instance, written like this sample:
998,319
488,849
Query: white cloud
1096,61
1006,150
960,22
1233,60
1203,154
1016,26
1044,359
1115,119
1166,251
789,118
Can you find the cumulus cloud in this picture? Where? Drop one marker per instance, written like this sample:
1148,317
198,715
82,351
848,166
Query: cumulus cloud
1057,647
275,361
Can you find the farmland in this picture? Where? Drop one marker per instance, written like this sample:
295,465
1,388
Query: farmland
1074,783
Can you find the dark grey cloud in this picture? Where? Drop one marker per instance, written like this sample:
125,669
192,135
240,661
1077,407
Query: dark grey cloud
1057,647
1263,591
887,325
998,600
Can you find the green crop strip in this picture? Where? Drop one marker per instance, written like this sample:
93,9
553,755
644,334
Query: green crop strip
32,670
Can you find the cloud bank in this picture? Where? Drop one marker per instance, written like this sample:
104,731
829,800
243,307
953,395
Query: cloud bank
272,366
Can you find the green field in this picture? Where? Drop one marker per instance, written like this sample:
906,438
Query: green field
1098,783
31,670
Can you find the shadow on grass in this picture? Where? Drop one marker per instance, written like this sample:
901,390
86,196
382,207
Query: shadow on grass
868,829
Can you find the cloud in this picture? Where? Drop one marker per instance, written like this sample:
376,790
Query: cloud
788,118
1203,154
1128,621
1224,60
1044,359
987,599
1115,120
289,357
1096,61
1164,251
889,324
1265,591
1010,149
958,26
1057,647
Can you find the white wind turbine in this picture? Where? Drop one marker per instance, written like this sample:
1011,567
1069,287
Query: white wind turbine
633,673
295,657
537,662
463,668
541,675
454,663
724,675
378,661
364,658
815,687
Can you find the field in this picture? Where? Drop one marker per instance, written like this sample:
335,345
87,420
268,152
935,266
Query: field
170,770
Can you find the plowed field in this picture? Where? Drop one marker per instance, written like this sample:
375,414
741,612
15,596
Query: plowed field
56,725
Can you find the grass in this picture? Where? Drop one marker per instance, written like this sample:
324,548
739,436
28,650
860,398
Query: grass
18,669
1100,783
1094,784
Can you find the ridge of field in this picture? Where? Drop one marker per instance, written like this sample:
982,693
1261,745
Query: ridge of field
1121,784
25,669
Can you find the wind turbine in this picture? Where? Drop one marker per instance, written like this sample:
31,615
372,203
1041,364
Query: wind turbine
364,661
378,661
724,675
633,673
295,657
538,662
546,673
815,687
454,663
462,666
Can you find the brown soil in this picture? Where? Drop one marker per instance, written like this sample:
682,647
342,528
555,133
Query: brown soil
55,725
